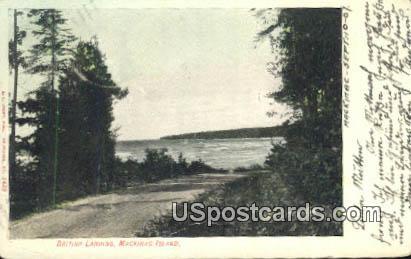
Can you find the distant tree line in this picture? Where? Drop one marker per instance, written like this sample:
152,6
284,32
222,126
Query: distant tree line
262,132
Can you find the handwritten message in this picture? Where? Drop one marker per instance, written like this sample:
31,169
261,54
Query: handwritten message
385,153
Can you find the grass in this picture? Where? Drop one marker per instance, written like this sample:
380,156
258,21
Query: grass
264,190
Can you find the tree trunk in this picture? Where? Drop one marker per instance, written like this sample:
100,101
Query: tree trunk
54,114
15,66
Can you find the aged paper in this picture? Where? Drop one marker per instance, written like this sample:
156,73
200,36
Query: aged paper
127,111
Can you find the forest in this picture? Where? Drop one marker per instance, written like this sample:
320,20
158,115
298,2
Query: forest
70,149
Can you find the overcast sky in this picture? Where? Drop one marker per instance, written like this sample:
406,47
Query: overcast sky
187,70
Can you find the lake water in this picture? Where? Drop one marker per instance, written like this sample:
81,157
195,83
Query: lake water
219,153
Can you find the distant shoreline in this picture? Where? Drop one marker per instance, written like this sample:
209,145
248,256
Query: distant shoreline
243,133
158,139
260,132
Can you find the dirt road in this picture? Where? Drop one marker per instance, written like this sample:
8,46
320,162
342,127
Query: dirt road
118,214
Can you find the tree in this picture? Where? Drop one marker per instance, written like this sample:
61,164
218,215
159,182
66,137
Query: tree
49,58
16,60
308,48
87,141
71,114
307,43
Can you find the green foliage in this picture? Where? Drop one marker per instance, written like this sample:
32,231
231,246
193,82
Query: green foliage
16,60
72,144
261,189
38,144
308,47
52,52
16,57
311,173
159,165
24,191
87,93
126,172
200,166
49,57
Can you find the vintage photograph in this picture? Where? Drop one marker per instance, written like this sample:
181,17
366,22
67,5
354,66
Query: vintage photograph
175,122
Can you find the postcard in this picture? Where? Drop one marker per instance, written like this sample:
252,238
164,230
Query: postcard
205,129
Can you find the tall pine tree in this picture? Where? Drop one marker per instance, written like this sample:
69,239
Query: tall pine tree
49,58
16,60
87,140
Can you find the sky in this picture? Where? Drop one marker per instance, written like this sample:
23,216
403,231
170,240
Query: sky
187,70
